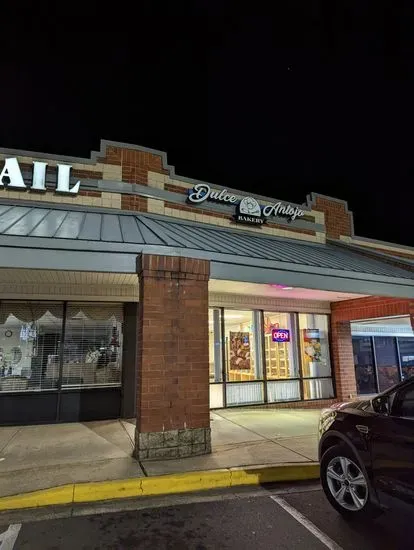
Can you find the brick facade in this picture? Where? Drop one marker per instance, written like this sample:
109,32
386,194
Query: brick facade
370,308
135,164
343,313
173,358
338,221
134,203
343,359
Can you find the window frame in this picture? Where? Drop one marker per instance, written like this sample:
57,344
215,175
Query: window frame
297,351
60,387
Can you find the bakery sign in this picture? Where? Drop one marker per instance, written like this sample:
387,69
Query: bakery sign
11,177
247,209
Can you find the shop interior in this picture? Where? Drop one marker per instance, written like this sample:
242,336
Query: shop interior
39,350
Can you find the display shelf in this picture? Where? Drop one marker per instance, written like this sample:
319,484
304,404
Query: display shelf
277,358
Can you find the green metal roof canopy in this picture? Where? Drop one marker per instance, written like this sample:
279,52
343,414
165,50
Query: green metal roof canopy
74,238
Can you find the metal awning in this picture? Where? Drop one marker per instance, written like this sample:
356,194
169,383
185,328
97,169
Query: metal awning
71,238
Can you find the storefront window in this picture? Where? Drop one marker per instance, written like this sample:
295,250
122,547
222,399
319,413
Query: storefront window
34,354
93,345
242,359
314,345
364,365
214,341
406,348
280,357
320,388
387,361
30,337
316,363
215,358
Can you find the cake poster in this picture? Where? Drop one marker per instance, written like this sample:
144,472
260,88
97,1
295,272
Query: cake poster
312,344
240,351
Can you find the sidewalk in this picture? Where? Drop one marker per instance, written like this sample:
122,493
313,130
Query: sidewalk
71,464
39,457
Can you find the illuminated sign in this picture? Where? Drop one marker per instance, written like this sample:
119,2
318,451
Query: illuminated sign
280,335
248,210
11,177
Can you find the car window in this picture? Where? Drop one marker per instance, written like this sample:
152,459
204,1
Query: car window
404,403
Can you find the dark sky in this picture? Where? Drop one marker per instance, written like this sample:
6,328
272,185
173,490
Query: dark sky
316,96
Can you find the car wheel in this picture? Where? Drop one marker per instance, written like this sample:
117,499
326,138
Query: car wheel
345,484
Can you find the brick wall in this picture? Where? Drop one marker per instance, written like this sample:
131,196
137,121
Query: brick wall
370,307
134,203
338,221
408,255
343,359
351,310
173,356
135,164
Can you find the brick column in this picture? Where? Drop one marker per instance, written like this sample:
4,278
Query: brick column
173,418
343,359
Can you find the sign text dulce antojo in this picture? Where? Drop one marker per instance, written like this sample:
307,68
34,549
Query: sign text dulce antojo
11,177
248,210
280,335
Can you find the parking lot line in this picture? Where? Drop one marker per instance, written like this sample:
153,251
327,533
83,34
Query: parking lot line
9,537
327,541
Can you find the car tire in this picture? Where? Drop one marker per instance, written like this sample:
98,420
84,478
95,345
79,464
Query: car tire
346,485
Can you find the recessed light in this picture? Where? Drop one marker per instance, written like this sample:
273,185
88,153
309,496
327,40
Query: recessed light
282,287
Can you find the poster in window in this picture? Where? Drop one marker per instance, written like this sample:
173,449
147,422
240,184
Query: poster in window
269,326
312,344
240,351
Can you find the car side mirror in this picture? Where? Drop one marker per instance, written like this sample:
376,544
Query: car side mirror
381,404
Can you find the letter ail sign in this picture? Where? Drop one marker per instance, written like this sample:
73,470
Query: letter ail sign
11,177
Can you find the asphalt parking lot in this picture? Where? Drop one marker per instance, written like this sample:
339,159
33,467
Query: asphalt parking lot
266,519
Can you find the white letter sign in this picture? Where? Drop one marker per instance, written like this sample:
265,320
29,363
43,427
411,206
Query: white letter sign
11,170
39,176
11,177
63,180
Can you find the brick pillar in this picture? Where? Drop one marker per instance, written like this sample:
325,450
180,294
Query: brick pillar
173,417
343,359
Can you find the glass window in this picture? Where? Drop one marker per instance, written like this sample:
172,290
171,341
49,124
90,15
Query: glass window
314,345
405,403
214,341
318,388
280,360
406,347
387,361
241,339
93,345
30,337
364,365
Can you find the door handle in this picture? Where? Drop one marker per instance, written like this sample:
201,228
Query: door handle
362,428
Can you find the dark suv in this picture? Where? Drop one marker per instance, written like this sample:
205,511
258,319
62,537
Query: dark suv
366,452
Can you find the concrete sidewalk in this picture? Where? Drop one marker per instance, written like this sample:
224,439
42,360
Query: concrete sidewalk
39,457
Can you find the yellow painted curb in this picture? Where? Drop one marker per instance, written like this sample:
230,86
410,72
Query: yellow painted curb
160,485
45,497
107,490
186,483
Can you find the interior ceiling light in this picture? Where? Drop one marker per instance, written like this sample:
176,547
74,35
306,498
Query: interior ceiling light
282,287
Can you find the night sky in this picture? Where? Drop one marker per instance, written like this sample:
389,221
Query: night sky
316,96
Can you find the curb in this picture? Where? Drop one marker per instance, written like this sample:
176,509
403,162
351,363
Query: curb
77,493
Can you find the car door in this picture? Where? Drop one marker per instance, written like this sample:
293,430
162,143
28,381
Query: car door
392,449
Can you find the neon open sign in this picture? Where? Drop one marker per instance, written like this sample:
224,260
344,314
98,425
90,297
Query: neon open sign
280,335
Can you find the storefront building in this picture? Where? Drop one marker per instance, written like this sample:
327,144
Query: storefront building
129,291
